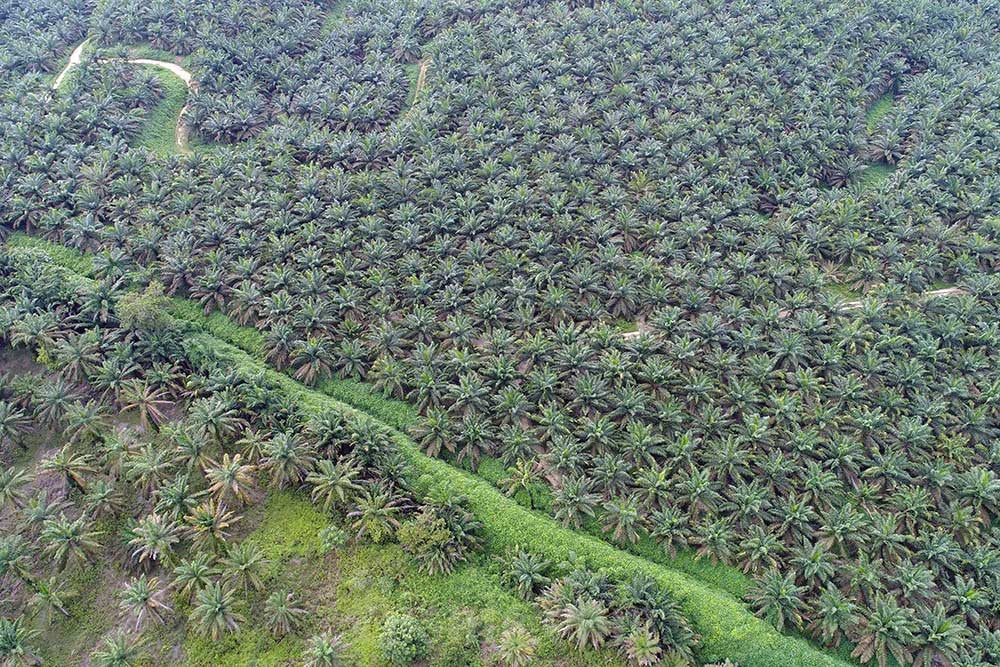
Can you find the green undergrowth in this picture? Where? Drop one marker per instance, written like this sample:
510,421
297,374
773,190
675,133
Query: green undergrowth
875,174
727,627
352,590
159,130
412,77
878,110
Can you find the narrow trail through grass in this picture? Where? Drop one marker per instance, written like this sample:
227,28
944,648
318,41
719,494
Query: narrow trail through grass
728,630
165,130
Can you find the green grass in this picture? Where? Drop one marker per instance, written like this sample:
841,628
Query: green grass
334,14
875,174
727,628
844,291
412,77
879,109
354,589
159,131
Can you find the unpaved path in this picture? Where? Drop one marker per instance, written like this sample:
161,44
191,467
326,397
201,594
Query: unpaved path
421,80
74,60
933,294
181,131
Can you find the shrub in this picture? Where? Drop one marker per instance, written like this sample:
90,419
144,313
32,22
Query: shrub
403,640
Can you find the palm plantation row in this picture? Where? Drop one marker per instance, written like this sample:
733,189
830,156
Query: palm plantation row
163,455
569,169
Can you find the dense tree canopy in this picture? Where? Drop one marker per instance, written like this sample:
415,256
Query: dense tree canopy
711,174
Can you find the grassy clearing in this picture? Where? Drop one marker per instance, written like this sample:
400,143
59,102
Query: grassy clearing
334,15
875,174
352,591
413,78
727,628
879,109
159,131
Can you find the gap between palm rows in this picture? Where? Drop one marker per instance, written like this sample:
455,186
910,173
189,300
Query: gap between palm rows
727,628
181,130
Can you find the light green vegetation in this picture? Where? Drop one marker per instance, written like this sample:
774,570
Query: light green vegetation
844,291
413,77
159,131
877,111
875,174
334,14
355,588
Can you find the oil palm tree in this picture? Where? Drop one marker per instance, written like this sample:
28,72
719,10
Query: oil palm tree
142,599
283,615
778,599
334,482
69,541
214,613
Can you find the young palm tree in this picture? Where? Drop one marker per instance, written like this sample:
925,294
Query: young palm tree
585,622
73,468
193,575
12,483
241,567
375,514
283,615
69,542
14,553
13,425
523,477
16,643
525,571
231,480
333,482
48,598
119,650
516,647
141,599
642,646
325,650
214,613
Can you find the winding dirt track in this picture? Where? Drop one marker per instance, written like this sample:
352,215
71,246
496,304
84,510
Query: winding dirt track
181,131
421,80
